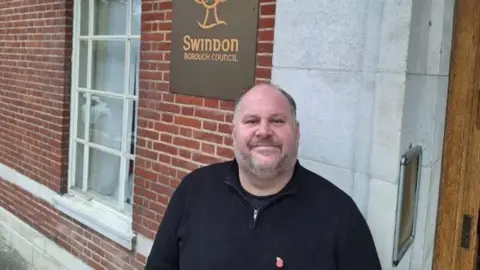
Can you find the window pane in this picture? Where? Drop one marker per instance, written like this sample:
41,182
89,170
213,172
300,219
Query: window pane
82,64
106,121
108,69
104,172
134,67
129,182
131,127
82,113
79,166
110,17
84,17
136,17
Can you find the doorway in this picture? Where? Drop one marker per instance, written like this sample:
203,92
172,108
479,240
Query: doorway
456,244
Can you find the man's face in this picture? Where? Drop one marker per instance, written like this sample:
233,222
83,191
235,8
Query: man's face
265,133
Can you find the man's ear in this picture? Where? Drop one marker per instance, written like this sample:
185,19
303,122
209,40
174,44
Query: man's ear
233,131
298,130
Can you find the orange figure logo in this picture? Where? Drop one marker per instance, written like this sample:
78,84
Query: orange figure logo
209,6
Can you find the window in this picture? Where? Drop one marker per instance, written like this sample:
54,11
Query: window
105,72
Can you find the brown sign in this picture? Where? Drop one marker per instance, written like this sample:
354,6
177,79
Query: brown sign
213,47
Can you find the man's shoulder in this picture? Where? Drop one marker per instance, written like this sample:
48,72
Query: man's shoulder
206,174
323,194
322,188
218,169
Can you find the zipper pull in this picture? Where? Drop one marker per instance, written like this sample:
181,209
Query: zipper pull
252,224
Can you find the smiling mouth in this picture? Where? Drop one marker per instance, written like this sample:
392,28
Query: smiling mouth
268,148
264,146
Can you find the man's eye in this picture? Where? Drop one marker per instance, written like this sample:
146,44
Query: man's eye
278,121
251,121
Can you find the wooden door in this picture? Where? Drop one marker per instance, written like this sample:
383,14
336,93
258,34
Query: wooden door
456,244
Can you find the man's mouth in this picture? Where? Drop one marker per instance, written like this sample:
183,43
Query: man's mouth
265,147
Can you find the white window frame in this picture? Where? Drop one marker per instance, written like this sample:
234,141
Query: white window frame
112,222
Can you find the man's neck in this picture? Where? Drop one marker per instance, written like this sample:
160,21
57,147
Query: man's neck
264,185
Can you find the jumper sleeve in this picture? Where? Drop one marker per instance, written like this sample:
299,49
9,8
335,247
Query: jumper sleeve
355,248
164,254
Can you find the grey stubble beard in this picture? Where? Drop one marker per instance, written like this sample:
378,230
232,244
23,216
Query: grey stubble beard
261,172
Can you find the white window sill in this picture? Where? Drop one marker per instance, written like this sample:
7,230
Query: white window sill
94,215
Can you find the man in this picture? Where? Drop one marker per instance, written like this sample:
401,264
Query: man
262,210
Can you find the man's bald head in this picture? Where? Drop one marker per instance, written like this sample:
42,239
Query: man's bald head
266,87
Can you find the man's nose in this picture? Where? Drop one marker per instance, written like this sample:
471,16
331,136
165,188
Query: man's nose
264,129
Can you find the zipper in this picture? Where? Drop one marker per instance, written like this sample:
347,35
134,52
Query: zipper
241,194
256,212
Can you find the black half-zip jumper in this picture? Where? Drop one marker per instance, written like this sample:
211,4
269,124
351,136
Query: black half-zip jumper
211,225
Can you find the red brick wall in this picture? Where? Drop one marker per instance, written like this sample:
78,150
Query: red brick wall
35,50
35,70
178,133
